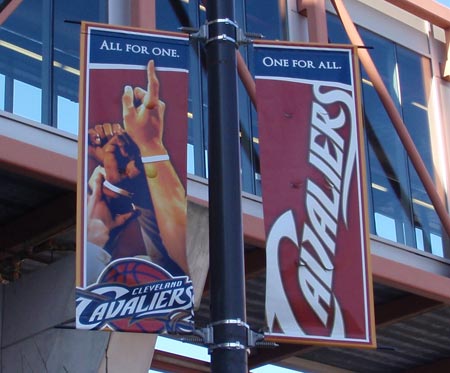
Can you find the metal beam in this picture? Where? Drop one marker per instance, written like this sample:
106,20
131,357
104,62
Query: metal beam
143,14
176,363
416,281
317,19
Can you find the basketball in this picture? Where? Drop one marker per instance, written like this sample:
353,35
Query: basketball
130,272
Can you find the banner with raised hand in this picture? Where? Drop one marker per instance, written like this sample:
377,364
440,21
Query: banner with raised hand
132,269
319,286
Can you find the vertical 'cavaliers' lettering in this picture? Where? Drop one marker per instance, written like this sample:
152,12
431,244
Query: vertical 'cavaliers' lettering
330,153
321,220
330,202
314,292
322,202
316,246
318,162
322,272
322,121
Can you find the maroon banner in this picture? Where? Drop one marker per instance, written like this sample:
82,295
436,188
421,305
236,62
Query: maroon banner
132,272
319,287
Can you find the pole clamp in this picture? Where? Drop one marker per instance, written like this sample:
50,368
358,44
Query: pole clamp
204,33
250,338
228,346
237,322
226,21
205,337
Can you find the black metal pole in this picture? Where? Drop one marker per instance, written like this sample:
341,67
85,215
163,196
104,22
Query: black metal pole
228,315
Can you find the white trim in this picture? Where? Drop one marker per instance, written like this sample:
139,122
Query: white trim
118,66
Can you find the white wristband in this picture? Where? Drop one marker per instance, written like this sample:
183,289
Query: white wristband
155,158
116,189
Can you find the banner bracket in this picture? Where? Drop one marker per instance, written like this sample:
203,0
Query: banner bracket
202,33
205,336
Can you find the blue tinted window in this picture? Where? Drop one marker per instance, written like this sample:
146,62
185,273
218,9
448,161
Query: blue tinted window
2,92
400,207
264,17
21,56
39,60
66,58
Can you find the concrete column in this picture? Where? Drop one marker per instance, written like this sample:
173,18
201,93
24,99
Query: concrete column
37,331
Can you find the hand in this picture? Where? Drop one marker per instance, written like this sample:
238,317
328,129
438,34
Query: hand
120,158
100,219
116,152
99,135
144,123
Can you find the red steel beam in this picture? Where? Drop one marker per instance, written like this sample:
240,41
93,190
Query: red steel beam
143,14
8,9
317,19
246,78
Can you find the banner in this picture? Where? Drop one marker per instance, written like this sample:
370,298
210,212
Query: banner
132,271
319,287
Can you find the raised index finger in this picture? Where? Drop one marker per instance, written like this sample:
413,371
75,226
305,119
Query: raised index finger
152,86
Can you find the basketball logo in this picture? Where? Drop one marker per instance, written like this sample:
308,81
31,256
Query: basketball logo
135,295
134,271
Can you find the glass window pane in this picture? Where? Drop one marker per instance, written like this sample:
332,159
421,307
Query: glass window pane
21,56
415,81
386,227
336,33
436,245
388,166
2,92
190,159
171,15
67,115
66,54
383,53
263,17
386,156
419,239
401,208
27,100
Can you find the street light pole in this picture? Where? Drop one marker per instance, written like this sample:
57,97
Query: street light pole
227,275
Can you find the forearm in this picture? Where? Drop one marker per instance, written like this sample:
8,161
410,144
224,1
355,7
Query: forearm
170,204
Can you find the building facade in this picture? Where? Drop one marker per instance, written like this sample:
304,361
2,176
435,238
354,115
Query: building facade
405,81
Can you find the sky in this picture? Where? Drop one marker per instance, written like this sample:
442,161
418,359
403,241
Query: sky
444,2
201,353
